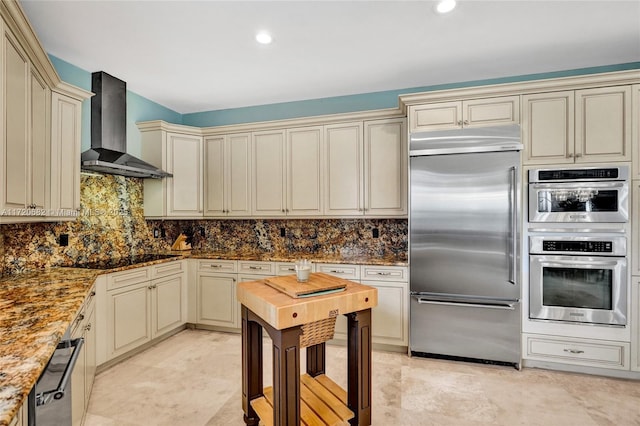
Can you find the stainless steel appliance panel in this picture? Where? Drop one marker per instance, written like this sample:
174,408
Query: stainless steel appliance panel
463,224
466,329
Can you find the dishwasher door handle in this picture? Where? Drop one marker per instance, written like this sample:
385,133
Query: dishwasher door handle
58,393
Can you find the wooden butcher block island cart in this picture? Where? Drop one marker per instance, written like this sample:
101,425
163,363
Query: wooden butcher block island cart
297,315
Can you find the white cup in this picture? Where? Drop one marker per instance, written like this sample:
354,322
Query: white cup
303,269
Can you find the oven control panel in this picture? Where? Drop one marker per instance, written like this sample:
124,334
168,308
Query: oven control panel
578,246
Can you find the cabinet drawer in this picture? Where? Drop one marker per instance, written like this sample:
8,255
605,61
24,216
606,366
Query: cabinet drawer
581,352
349,272
256,268
289,268
384,273
168,268
226,266
128,277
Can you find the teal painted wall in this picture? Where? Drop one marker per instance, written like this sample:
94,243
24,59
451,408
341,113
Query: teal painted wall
138,108
361,102
143,109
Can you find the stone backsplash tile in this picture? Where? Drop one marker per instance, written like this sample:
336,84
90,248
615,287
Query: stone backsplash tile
111,224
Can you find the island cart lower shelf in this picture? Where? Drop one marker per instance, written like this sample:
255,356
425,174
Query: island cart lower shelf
313,398
322,402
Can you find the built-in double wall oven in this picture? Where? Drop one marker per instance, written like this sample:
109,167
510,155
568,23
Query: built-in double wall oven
578,245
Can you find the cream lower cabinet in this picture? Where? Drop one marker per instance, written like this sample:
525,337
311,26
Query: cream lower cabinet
227,175
390,319
22,416
85,368
582,126
139,305
216,304
467,113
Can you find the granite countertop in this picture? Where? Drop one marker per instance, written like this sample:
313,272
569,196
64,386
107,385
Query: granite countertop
36,308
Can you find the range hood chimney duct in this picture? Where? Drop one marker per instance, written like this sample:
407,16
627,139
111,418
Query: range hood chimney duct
108,153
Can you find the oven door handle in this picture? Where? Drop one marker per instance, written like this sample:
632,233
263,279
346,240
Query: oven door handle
578,262
58,393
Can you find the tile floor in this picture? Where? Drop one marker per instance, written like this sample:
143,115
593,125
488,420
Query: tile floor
193,379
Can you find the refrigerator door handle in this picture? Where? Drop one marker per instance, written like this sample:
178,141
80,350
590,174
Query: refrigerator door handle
504,305
513,223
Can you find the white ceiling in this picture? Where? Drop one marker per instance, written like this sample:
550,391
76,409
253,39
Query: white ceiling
195,56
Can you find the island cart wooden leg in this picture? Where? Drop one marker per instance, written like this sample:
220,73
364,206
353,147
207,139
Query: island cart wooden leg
286,375
252,386
316,361
359,366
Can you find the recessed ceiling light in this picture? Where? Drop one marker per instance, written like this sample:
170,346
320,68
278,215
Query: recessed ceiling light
264,37
446,6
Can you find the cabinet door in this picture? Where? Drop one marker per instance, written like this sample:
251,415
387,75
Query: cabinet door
39,158
238,164
129,318
436,116
385,167
90,354
390,319
184,189
635,129
344,170
65,154
169,304
269,180
214,176
491,111
15,179
547,128
603,124
305,171
217,303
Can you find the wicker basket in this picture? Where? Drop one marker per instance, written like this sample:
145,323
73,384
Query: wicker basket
317,332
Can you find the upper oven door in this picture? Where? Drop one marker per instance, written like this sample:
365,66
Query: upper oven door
585,289
573,202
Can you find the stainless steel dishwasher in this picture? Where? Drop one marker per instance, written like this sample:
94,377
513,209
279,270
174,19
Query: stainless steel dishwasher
51,399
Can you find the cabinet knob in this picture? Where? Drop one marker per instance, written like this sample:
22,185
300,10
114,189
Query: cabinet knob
459,122
88,327
150,287
465,122
570,155
578,155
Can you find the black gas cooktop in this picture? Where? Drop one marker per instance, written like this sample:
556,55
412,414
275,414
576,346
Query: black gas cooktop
121,262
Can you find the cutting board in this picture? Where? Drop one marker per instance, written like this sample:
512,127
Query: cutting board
317,285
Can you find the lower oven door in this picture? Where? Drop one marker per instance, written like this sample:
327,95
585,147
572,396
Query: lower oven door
581,289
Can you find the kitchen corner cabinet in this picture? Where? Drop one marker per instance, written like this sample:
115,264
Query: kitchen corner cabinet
366,168
582,126
141,304
25,144
227,175
180,154
467,113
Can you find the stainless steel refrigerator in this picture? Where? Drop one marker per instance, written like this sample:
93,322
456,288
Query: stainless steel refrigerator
464,244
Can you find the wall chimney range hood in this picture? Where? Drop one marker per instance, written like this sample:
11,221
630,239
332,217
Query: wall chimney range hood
108,153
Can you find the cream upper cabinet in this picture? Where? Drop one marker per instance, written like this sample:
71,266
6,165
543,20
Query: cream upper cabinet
305,171
343,191
65,154
385,167
227,182
25,140
268,173
583,126
366,168
287,172
180,154
635,129
467,113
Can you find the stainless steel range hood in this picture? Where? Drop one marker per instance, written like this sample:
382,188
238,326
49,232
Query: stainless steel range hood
108,153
